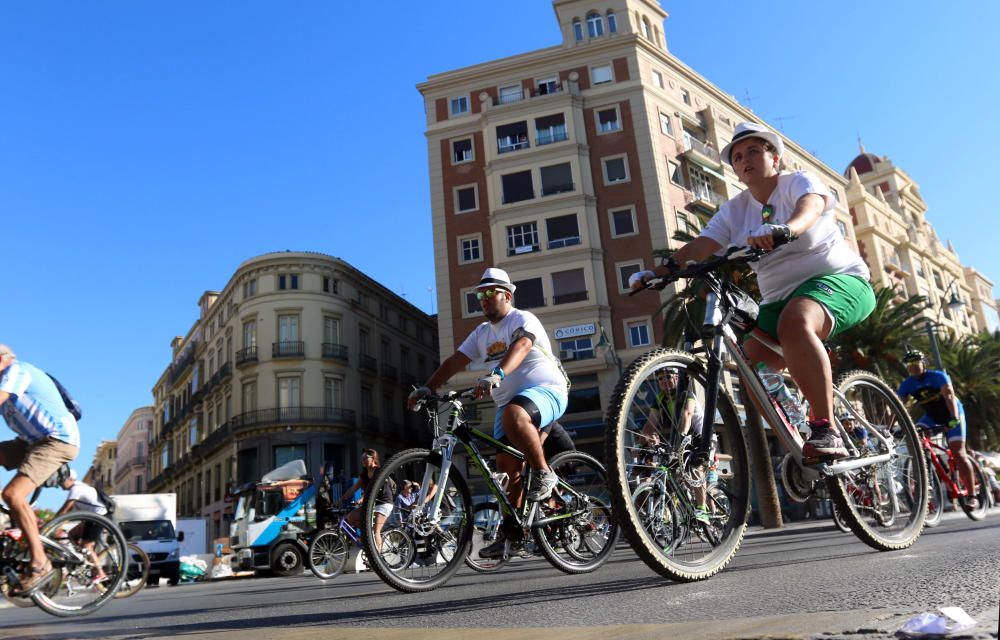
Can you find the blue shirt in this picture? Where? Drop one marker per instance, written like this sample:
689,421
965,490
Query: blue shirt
35,410
926,390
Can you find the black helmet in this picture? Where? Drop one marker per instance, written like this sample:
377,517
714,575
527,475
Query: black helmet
912,355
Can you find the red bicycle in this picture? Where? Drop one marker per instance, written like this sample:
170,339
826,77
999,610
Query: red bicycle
949,478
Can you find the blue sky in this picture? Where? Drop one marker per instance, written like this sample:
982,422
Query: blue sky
147,148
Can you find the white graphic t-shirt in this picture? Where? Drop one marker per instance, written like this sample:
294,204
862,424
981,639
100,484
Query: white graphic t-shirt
488,344
86,498
820,251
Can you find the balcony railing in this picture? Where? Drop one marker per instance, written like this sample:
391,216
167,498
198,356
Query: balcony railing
707,198
178,368
608,127
701,152
282,416
548,190
569,297
217,437
367,363
245,355
506,145
288,349
334,350
559,243
551,135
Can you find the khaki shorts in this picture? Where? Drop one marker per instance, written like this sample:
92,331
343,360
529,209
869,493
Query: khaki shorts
37,461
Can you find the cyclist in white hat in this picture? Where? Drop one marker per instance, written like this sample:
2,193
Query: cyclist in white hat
812,289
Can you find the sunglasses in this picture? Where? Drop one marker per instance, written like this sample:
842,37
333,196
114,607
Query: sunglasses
489,293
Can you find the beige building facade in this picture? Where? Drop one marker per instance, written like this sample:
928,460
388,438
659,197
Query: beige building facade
299,356
101,473
567,167
133,452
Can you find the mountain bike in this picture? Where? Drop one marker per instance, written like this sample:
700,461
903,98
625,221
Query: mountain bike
330,548
892,470
574,530
950,480
71,591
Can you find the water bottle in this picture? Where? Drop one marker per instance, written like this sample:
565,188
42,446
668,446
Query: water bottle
774,382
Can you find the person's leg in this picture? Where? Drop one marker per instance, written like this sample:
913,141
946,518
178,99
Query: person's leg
802,327
964,466
523,435
15,495
377,530
354,518
512,467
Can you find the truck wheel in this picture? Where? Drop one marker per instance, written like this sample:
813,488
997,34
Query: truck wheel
286,560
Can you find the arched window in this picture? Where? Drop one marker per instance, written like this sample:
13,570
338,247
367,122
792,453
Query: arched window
612,22
577,29
658,40
595,25
646,30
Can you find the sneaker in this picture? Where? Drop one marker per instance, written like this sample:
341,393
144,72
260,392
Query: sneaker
542,484
701,514
972,503
824,443
495,550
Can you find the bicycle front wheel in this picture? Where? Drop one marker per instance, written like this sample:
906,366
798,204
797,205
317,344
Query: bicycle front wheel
981,492
581,532
645,435
440,541
73,541
328,552
885,504
935,498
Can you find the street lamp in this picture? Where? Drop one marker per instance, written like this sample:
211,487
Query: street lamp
605,347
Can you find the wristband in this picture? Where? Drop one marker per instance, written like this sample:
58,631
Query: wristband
670,263
498,371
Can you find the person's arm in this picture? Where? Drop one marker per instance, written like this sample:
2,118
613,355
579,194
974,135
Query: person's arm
349,492
948,394
68,506
697,250
453,364
516,354
686,414
3,397
807,211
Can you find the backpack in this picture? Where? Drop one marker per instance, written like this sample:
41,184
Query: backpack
71,405
109,502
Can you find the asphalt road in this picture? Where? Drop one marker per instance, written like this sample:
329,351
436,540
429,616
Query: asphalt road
805,581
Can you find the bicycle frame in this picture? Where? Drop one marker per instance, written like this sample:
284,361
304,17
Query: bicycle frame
944,475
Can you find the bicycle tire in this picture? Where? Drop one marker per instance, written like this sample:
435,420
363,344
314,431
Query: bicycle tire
982,495
935,497
136,574
587,539
628,410
328,553
444,546
485,534
905,475
110,547
658,516
838,519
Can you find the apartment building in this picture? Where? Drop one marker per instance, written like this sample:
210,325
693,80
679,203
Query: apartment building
567,167
133,452
102,469
299,356
904,252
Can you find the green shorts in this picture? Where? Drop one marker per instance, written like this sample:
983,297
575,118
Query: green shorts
848,298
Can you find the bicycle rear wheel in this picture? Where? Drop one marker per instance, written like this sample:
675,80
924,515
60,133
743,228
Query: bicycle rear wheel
72,591
135,576
585,533
884,504
657,515
935,498
487,528
328,553
635,457
440,545
981,493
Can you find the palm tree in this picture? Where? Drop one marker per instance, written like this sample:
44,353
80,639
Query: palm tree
973,363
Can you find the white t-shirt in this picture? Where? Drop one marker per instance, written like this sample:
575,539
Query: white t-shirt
86,498
488,344
820,251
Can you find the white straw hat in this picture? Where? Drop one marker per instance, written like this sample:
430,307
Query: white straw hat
753,130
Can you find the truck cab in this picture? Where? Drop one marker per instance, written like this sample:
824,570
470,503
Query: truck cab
271,518
149,520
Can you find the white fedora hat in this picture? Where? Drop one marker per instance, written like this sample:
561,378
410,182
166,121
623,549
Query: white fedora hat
494,277
753,130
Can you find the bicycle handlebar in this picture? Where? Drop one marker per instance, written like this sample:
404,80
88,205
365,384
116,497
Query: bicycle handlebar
447,396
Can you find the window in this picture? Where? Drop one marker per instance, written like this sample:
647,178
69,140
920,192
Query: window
562,231
568,286
546,86
522,238
329,285
615,170
601,74
528,294
249,334
684,223
289,281
937,275
331,330
249,396
836,197
578,349
675,173
623,222
577,29
288,328
686,97
513,136
466,199
657,78
510,93
557,178
624,271
608,120
638,333
843,228
289,392
666,126
285,453
469,250
612,22
461,150
250,288
595,25
332,393
517,187
920,267
550,129
646,29
459,105
472,307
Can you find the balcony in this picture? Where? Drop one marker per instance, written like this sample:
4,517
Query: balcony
389,372
705,199
287,416
367,363
551,135
332,350
564,298
559,243
288,349
508,144
214,439
178,368
246,355
701,152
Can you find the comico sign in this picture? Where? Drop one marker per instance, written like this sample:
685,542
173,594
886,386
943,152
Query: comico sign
563,333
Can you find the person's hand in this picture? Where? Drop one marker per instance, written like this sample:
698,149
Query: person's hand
638,280
486,384
954,422
416,396
763,236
